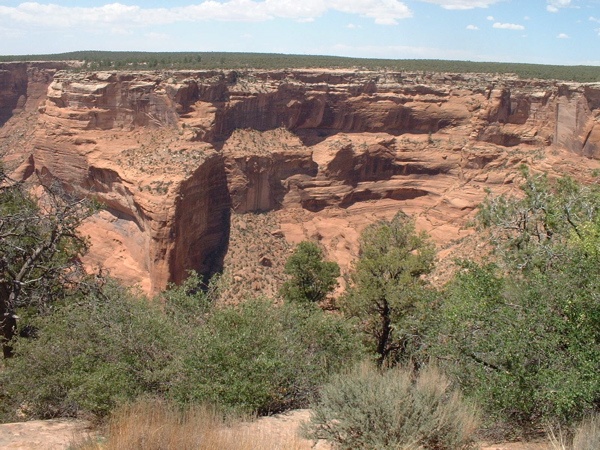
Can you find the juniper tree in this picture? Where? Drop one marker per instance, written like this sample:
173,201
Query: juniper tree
312,278
39,248
387,288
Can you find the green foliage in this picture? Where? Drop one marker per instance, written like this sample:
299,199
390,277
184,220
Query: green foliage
524,336
189,302
112,346
39,249
369,409
89,356
257,357
103,60
388,294
529,349
312,278
534,232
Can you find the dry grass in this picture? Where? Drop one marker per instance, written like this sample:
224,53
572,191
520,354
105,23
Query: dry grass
151,424
557,437
585,437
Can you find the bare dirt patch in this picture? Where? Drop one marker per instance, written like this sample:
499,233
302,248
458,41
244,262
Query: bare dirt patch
56,434
280,431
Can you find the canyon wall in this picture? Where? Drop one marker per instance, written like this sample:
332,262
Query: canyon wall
173,154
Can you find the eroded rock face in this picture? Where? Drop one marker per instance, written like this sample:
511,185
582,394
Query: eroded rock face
22,84
200,229
173,154
13,85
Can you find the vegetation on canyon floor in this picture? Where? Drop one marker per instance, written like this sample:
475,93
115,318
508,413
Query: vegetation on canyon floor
104,60
518,334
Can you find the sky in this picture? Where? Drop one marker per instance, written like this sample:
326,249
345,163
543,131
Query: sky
565,32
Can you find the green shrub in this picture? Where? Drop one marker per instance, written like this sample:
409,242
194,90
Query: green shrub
89,356
522,335
312,278
527,349
114,346
265,358
369,409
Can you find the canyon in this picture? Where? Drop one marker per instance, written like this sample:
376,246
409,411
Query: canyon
203,170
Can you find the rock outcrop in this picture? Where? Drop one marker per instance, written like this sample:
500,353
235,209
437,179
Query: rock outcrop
173,154
24,83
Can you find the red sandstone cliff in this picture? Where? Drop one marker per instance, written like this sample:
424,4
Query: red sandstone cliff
173,154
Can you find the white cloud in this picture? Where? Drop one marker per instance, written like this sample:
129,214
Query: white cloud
51,15
563,36
159,36
11,33
463,4
560,3
490,18
472,27
508,26
555,5
120,31
593,19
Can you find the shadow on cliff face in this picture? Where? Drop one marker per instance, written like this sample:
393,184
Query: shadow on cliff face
13,89
319,204
316,116
202,222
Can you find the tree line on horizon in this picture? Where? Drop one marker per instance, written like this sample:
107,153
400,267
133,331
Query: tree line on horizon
105,60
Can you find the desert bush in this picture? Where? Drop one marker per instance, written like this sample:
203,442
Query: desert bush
523,334
312,278
112,346
392,409
154,424
264,358
526,348
89,356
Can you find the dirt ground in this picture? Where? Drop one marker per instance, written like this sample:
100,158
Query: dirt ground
59,434
55,434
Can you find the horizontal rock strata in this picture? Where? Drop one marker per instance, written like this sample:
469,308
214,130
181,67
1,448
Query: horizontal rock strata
173,154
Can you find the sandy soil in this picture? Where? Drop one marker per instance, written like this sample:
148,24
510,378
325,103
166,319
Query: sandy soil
54,434
283,428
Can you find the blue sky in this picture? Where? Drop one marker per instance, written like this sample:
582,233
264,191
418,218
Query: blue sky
533,31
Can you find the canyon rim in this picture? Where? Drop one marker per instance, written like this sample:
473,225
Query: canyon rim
176,157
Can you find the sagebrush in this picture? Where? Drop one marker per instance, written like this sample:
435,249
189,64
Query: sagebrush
371,409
